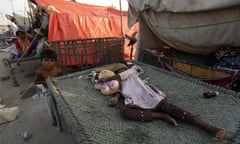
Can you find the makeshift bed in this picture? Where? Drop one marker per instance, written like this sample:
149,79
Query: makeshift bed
190,65
91,120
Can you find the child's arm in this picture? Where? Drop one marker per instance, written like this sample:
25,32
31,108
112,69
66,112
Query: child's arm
39,79
114,100
60,72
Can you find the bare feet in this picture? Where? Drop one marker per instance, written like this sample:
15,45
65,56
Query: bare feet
219,135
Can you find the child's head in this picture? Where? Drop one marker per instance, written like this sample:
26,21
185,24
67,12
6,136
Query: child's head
20,33
48,58
48,53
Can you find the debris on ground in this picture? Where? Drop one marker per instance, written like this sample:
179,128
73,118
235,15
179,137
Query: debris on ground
8,114
26,135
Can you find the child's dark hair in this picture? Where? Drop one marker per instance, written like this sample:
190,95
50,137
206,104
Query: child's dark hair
48,53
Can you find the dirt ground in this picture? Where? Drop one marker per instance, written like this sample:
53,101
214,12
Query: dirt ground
34,117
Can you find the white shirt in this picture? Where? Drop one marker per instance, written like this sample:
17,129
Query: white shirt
137,92
13,27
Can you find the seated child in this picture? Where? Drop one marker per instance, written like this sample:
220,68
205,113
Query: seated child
23,43
49,69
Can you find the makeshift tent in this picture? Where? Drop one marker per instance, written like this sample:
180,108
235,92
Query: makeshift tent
197,27
71,20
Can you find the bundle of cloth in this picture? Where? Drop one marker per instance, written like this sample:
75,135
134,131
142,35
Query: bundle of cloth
8,114
109,87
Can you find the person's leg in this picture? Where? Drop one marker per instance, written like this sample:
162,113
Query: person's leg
178,113
135,113
165,117
218,133
138,114
175,111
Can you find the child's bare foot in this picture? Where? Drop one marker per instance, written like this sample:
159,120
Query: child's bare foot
219,135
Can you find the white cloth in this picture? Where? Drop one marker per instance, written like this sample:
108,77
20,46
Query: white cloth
138,93
182,5
197,27
40,47
8,114
12,49
13,27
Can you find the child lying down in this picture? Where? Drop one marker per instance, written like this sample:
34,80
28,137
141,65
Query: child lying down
144,102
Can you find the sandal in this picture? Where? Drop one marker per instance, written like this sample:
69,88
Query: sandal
210,94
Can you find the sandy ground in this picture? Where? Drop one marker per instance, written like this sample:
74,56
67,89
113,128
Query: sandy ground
34,116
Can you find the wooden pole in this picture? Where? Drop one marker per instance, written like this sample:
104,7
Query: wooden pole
120,5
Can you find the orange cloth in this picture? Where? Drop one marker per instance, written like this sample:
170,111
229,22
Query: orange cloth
71,20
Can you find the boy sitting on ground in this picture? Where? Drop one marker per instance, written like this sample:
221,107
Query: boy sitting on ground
49,69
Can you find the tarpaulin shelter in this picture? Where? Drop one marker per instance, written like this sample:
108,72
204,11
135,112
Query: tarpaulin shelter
72,20
197,27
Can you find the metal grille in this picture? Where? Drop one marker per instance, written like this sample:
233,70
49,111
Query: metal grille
88,52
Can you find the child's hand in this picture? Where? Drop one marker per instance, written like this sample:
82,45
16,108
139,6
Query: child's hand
113,101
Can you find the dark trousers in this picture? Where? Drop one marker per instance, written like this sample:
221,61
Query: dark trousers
139,114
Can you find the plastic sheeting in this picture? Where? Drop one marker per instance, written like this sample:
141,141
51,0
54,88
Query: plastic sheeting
73,20
8,113
198,27
182,5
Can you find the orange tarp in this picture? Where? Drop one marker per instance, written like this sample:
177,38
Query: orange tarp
73,20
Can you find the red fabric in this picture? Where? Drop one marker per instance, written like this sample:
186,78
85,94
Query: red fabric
75,20
18,46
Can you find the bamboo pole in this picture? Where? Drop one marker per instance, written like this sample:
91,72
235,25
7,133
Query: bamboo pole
120,5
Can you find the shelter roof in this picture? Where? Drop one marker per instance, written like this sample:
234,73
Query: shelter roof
81,9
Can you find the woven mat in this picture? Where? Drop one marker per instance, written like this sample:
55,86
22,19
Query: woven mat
91,120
